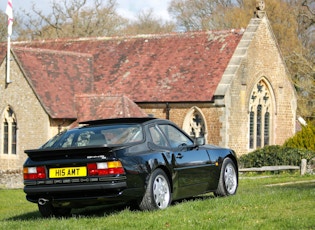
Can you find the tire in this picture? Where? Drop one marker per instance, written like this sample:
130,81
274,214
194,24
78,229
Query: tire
47,210
228,181
158,192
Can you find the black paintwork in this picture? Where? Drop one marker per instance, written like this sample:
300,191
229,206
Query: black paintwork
192,170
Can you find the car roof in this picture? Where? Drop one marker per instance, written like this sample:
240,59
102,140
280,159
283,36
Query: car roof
118,120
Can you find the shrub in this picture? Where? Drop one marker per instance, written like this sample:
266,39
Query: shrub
303,139
275,155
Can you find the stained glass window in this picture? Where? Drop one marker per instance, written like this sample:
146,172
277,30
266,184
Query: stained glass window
259,116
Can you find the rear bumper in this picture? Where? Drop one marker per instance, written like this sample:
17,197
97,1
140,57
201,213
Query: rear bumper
51,189
83,194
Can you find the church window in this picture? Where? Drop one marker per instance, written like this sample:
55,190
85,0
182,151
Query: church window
266,131
9,133
251,130
259,116
258,134
5,137
194,124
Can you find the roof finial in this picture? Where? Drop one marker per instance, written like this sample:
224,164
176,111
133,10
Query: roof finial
260,7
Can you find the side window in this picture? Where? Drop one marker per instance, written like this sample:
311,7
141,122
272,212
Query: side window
175,136
157,137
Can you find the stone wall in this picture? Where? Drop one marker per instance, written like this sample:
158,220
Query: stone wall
11,179
178,112
32,121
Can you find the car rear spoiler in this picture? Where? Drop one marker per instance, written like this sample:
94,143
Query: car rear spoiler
70,152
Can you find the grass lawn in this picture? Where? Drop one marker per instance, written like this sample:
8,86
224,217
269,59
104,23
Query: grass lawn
274,202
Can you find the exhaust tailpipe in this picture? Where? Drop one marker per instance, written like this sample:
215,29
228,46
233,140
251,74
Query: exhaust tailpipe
42,201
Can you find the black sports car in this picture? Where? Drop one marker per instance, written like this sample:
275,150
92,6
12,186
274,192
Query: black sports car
146,162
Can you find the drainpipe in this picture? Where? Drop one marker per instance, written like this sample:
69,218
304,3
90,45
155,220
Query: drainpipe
167,110
59,125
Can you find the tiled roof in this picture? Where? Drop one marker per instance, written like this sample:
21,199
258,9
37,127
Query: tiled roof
179,67
95,107
56,76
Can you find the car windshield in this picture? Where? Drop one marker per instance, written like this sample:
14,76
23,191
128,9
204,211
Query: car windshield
118,134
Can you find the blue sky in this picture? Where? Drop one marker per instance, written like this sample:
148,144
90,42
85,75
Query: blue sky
127,8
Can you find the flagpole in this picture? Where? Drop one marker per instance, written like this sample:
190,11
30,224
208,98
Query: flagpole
9,12
8,81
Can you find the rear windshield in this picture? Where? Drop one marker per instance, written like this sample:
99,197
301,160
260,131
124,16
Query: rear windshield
122,134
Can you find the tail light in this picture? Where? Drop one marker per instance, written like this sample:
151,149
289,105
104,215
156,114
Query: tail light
105,168
34,173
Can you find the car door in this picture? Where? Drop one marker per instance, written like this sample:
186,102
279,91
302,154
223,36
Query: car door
191,165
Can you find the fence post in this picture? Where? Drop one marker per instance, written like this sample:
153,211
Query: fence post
303,166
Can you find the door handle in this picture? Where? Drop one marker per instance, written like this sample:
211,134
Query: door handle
179,155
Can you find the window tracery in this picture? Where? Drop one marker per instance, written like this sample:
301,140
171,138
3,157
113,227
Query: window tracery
259,116
194,124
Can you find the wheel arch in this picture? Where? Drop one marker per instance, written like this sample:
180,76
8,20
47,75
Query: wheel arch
226,186
168,174
233,157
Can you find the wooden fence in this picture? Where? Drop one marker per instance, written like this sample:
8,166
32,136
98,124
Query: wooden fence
278,168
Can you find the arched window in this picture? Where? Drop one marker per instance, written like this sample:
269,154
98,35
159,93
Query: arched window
5,137
9,134
259,116
194,124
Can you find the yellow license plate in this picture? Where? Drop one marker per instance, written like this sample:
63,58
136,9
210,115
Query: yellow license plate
67,172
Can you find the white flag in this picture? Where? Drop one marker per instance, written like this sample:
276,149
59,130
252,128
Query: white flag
9,12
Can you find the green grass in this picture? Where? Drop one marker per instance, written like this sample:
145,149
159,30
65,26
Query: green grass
256,206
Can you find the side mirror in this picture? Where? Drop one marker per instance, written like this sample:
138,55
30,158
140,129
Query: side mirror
200,141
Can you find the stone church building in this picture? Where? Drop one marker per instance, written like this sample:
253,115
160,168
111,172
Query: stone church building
232,87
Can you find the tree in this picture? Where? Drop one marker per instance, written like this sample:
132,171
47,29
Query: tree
302,63
3,27
147,23
306,22
197,14
73,18
226,15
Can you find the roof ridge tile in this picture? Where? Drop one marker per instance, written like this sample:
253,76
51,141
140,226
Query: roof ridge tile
41,50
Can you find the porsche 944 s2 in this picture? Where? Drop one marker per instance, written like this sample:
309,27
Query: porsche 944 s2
146,162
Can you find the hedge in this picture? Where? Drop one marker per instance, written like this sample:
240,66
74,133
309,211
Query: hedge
275,155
